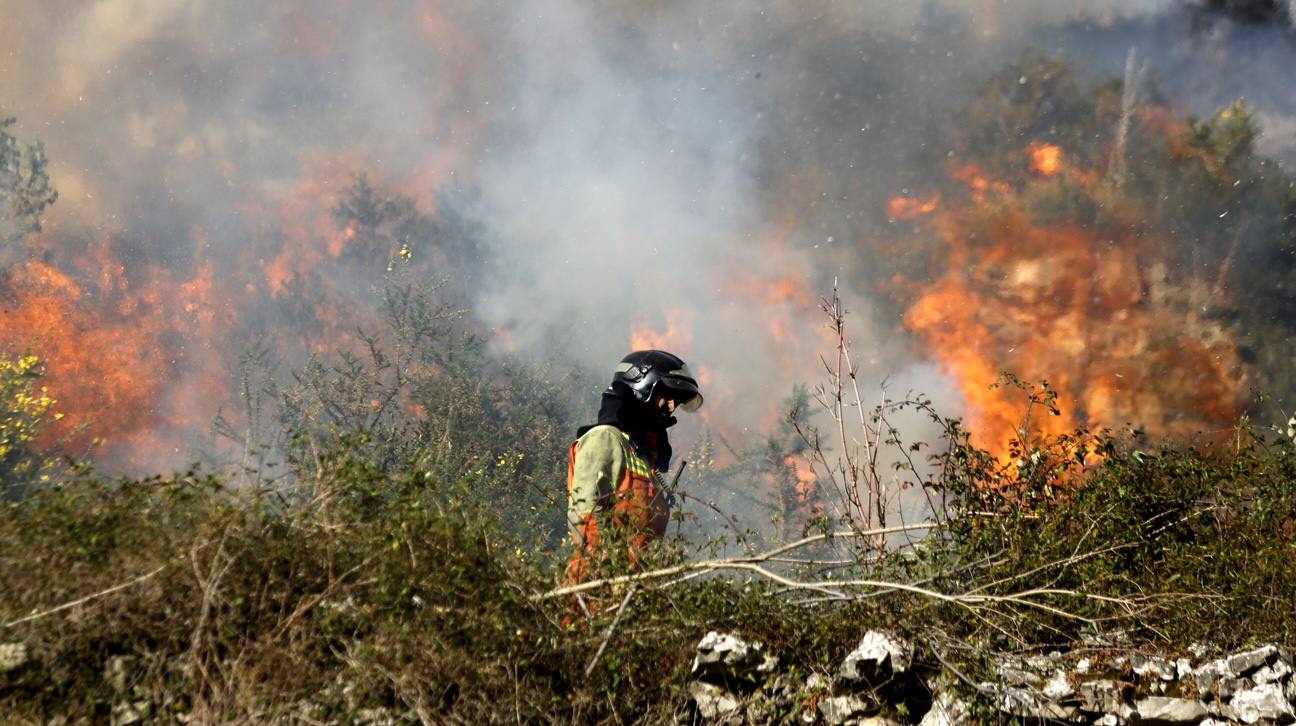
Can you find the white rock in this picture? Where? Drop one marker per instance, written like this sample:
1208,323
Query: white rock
878,657
1159,709
838,710
1223,712
713,701
1058,687
1217,679
1153,667
1101,696
13,656
1044,662
1263,703
1015,673
818,682
947,710
1243,663
1272,673
719,652
1018,701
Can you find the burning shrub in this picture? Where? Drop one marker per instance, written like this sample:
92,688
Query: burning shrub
1195,539
1088,236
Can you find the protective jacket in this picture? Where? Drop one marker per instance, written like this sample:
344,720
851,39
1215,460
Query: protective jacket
614,493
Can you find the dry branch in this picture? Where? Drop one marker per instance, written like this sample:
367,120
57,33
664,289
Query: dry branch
721,564
86,599
973,600
607,636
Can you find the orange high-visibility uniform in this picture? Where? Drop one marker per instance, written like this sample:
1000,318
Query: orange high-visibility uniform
627,488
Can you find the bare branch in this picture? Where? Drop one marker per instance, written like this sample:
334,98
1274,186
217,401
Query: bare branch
84,600
607,637
719,564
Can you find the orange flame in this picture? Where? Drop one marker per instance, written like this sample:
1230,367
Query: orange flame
977,182
1041,302
807,482
113,343
904,209
677,336
1046,159
504,338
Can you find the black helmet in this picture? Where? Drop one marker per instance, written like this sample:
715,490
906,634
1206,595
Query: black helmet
643,370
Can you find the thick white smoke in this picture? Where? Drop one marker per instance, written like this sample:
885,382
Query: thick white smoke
710,166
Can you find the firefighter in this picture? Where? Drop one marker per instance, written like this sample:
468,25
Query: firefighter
615,496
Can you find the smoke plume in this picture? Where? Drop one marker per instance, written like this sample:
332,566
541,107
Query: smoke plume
687,176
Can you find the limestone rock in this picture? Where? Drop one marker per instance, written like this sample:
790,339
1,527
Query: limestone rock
1016,673
1217,680
1151,667
947,710
878,658
1101,696
1275,672
1264,703
13,656
128,714
728,656
838,710
1019,700
1058,687
1243,663
818,682
1161,710
713,702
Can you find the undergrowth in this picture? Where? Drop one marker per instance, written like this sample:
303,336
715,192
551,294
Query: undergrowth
239,609
237,606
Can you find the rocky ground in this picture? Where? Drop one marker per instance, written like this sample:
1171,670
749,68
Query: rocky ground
737,681
883,681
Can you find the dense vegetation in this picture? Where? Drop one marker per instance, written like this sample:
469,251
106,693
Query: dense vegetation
392,587
385,541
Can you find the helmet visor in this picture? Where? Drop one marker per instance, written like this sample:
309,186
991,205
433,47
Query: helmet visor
683,389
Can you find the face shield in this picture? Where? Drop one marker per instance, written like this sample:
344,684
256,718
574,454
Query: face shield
647,373
683,388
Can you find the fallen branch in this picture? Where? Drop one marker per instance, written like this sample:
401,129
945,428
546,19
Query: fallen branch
1036,599
607,637
980,688
737,563
86,599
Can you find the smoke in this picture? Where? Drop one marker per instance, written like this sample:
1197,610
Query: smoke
1202,61
714,170
700,174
